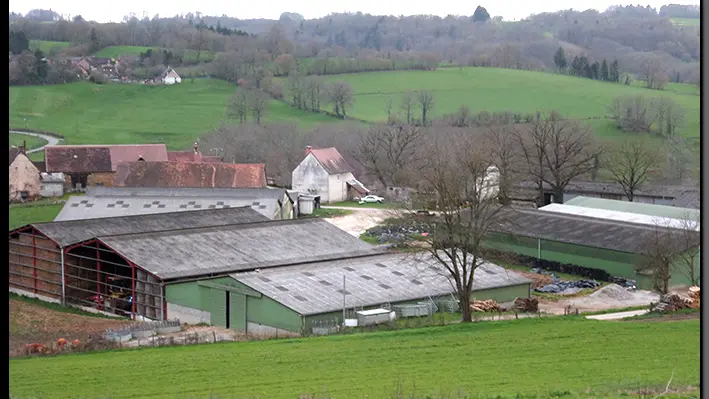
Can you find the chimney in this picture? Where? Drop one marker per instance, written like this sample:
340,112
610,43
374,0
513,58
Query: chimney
23,149
307,150
196,148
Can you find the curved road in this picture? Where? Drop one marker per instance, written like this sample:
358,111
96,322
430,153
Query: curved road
51,140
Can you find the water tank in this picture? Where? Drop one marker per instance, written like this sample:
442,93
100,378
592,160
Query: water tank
306,204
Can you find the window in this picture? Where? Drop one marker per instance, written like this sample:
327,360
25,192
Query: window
24,195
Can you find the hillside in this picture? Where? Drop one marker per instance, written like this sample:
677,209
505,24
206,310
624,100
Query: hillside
549,357
86,113
494,89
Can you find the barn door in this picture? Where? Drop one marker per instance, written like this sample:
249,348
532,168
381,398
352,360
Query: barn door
214,302
237,311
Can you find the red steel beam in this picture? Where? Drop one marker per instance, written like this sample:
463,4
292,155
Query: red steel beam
34,260
98,274
132,283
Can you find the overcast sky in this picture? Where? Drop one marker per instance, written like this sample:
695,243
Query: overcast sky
508,9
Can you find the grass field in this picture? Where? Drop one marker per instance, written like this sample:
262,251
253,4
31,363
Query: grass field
494,89
550,357
686,21
86,113
45,45
32,142
43,210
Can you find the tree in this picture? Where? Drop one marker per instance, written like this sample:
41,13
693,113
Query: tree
258,102
388,153
654,73
313,92
341,96
679,161
94,43
630,163
408,105
296,89
239,105
669,116
604,71
456,169
669,247
614,72
425,100
687,260
556,151
504,152
481,14
560,59
18,42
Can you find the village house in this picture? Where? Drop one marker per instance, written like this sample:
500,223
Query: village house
168,77
325,173
25,182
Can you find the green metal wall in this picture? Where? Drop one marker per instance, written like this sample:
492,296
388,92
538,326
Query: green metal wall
620,264
504,294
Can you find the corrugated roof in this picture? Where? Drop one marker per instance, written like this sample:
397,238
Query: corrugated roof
84,207
99,158
73,231
214,250
688,199
622,216
599,187
190,174
579,230
317,287
331,160
201,192
640,208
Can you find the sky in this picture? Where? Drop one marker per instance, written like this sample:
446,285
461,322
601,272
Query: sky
508,9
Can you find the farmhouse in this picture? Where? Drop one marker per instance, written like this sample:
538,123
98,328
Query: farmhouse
190,174
326,173
25,181
600,242
91,165
169,77
101,202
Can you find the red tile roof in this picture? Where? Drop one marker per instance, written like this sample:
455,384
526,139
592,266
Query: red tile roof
99,158
331,160
190,174
190,156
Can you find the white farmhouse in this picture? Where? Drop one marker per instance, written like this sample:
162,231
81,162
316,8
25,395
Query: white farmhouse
170,77
325,172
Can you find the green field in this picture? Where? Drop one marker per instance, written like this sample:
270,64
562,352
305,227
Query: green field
687,21
86,113
45,45
117,51
21,215
549,357
32,141
494,89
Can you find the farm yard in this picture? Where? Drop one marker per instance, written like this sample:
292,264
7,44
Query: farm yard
421,361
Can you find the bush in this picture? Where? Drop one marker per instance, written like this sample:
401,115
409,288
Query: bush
98,77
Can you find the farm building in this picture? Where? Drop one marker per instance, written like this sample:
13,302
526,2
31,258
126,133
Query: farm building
299,299
100,202
619,247
25,181
326,173
169,77
190,175
652,210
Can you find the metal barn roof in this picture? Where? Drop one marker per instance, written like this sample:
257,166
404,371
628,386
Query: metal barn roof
243,193
370,281
667,211
211,250
621,216
74,231
87,207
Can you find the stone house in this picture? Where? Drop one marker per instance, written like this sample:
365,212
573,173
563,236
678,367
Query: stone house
326,173
25,182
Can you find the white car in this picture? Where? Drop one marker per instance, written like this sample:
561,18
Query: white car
370,199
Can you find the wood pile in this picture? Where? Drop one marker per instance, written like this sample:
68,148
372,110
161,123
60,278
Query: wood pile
695,296
526,304
671,303
484,306
538,280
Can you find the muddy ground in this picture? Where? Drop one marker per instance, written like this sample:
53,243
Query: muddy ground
360,220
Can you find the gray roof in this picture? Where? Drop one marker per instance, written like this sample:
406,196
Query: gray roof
373,280
74,231
215,250
88,207
236,193
584,186
688,199
580,230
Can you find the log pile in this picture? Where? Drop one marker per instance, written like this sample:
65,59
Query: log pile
695,296
671,303
538,280
484,306
526,304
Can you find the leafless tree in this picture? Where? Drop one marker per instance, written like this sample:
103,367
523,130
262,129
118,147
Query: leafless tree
688,260
654,73
296,89
258,102
341,97
388,107
505,152
669,116
314,88
556,151
408,104
388,153
630,163
425,100
239,105
633,114
680,161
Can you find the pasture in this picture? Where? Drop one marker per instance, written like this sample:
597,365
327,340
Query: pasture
46,46
495,89
17,140
22,214
687,21
87,113
547,357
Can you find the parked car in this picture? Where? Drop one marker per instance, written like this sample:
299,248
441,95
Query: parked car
370,199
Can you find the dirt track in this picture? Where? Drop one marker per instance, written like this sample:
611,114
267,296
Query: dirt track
359,220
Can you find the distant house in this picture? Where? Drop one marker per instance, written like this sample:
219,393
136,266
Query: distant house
169,77
326,173
25,183
190,174
95,165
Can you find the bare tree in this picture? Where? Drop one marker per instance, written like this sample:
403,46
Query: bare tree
688,260
239,105
258,102
425,100
506,155
388,107
389,152
296,89
633,114
408,105
456,169
557,151
630,163
341,97
314,88
669,116
680,160
653,72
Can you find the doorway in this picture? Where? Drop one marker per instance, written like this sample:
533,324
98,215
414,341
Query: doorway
228,303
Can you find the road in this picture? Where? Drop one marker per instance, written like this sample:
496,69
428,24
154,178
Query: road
51,140
618,315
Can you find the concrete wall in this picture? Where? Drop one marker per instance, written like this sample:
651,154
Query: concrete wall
187,314
338,187
311,178
52,189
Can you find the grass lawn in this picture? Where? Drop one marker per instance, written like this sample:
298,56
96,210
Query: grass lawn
549,357
46,45
32,141
43,210
495,89
86,113
687,21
